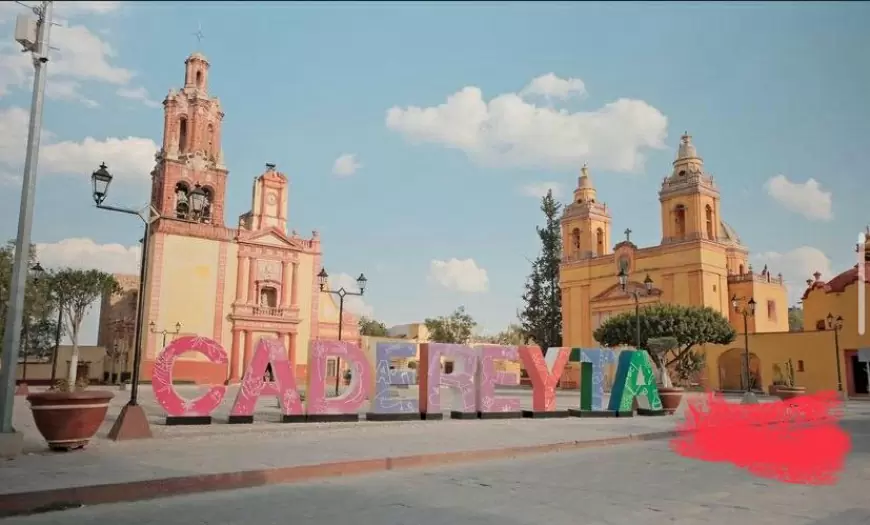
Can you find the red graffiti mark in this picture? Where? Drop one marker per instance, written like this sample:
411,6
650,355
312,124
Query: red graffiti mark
794,441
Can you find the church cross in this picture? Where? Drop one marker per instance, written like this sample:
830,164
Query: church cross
628,234
199,35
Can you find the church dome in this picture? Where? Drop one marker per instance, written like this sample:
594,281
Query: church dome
584,181
687,149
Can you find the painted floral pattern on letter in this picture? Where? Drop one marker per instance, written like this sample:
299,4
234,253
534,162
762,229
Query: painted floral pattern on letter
360,383
268,351
488,378
544,374
460,380
161,378
382,403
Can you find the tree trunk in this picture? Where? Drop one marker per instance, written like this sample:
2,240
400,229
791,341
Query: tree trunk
73,361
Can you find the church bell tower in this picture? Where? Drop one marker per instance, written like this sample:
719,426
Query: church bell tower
189,180
586,223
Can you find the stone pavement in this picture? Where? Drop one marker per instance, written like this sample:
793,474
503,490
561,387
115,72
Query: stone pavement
636,484
271,452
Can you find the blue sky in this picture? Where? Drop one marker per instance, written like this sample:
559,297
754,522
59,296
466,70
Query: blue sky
765,90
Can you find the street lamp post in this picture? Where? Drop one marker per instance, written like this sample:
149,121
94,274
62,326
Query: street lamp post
153,327
37,273
36,41
132,422
341,293
637,294
747,311
836,324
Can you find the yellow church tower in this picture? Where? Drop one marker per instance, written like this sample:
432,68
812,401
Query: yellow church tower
586,222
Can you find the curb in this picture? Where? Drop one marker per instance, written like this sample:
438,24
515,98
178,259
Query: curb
24,503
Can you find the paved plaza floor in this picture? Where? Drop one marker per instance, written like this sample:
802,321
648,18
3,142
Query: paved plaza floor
631,484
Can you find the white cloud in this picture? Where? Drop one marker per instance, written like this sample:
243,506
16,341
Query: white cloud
129,159
539,189
140,94
459,275
807,199
346,165
85,254
509,131
551,86
354,304
796,267
79,55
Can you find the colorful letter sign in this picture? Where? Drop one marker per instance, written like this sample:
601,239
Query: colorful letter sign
268,351
175,406
599,358
382,402
356,394
634,378
488,377
460,380
544,374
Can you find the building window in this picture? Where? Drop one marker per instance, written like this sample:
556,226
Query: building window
199,79
599,241
182,206
210,136
268,297
575,240
771,310
709,216
448,367
330,367
742,269
206,208
800,367
820,324
680,221
182,135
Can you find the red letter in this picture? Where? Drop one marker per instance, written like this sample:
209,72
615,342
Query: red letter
161,378
544,374
268,351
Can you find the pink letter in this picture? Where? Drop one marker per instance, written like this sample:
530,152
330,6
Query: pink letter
461,379
353,398
161,378
488,378
544,375
268,351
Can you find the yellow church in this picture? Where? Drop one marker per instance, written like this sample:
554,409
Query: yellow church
702,262
231,282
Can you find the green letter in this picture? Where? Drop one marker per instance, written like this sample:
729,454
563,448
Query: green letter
634,378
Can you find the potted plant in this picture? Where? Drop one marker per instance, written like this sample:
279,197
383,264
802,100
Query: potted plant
68,415
789,390
670,394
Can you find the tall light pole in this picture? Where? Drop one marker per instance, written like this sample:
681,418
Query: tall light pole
637,294
836,324
132,422
747,311
38,273
341,293
34,37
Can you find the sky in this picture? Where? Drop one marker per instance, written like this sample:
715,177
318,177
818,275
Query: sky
419,137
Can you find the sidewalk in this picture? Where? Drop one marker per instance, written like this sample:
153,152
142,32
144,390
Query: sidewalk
194,459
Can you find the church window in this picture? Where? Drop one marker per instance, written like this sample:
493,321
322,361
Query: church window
742,270
680,221
182,135
199,79
624,263
709,212
182,205
575,240
771,310
206,209
268,297
682,173
210,136
599,241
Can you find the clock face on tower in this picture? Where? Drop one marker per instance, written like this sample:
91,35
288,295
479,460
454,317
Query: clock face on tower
270,199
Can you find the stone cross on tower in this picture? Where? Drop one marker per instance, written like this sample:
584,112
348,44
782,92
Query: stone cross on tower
199,35
627,235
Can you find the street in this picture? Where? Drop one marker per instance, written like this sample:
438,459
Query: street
629,484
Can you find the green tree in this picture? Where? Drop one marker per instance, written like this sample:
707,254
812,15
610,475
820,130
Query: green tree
688,326
457,328
541,317
37,328
372,327
513,335
795,319
77,290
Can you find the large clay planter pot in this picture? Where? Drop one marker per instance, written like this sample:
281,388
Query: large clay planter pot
68,420
671,398
790,392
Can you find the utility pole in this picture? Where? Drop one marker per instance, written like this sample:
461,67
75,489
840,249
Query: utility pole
34,37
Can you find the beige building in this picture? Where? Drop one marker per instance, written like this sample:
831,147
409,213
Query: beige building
235,282
94,363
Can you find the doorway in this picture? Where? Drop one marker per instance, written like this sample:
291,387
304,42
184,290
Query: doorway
858,375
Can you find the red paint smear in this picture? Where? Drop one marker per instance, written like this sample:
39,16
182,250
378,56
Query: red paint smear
794,441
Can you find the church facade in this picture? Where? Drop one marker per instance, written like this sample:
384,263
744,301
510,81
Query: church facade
699,262
234,283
